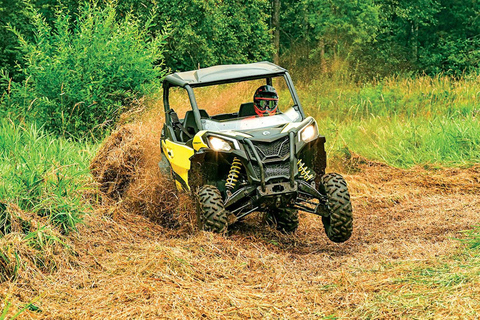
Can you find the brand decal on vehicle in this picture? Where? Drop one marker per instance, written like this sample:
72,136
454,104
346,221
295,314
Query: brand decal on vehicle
266,133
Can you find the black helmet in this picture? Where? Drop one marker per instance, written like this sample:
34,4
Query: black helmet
265,100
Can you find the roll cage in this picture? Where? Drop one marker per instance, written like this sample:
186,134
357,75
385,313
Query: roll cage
216,76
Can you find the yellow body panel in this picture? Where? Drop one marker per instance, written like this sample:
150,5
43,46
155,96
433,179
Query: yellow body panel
179,186
179,157
198,141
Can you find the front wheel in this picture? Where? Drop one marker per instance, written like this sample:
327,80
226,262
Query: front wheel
284,219
211,215
339,224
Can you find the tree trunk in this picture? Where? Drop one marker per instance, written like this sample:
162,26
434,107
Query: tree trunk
415,41
323,64
276,32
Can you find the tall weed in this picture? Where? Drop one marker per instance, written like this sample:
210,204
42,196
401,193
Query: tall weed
417,96
42,174
408,141
7,304
474,237
402,120
41,197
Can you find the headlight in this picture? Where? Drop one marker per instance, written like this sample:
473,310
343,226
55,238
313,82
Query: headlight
309,133
218,144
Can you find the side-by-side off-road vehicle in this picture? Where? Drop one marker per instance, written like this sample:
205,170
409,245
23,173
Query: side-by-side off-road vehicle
247,146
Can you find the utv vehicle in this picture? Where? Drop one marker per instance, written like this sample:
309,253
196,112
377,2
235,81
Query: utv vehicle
239,160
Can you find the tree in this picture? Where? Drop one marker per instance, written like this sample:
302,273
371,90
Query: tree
432,36
452,44
209,32
330,29
276,27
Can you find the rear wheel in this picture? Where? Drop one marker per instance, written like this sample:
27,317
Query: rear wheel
339,224
284,219
211,215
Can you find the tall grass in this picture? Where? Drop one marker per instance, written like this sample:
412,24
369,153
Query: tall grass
343,99
408,141
42,184
474,238
42,174
403,121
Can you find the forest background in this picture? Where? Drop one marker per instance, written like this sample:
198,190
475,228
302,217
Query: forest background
376,38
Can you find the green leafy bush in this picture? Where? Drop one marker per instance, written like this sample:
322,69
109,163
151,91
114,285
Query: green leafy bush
81,75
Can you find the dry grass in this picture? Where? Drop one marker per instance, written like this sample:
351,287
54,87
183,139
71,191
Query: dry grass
402,261
31,246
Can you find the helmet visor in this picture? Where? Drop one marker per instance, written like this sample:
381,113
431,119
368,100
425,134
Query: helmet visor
267,104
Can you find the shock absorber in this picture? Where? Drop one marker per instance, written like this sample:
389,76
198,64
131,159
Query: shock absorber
233,174
304,171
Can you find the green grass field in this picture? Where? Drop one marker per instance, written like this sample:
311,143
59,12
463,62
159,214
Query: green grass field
43,174
399,121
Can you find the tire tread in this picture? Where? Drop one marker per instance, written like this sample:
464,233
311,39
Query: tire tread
211,214
339,225
284,219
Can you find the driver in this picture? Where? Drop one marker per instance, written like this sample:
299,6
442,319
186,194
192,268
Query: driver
265,101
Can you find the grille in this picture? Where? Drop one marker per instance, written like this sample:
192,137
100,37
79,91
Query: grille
274,169
272,150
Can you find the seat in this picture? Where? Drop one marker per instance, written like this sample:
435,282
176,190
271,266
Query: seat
190,124
203,114
246,109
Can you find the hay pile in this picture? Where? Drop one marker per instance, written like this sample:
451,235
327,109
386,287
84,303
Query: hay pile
115,165
378,183
126,169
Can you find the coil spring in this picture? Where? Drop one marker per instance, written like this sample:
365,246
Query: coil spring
304,171
233,174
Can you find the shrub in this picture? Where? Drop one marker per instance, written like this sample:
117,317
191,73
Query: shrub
81,74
